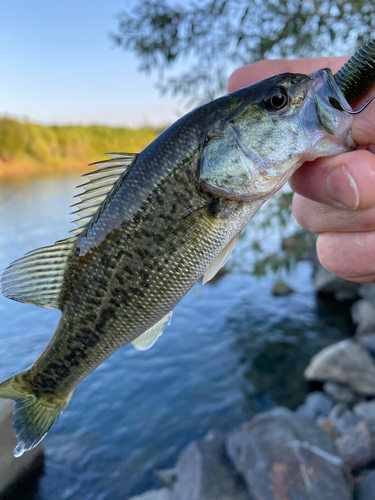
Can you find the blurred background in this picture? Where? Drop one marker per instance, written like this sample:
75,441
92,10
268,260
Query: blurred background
83,78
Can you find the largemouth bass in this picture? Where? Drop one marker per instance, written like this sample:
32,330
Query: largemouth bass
152,224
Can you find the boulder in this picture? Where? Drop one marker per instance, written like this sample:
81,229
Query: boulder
367,292
345,362
162,494
342,418
340,393
166,477
328,427
366,410
316,405
284,456
365,490
327,283
204,472
363,315
368,341
357,446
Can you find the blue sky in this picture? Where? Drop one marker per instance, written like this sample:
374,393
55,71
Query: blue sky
60,66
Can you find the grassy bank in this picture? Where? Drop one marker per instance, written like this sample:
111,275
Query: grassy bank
28,148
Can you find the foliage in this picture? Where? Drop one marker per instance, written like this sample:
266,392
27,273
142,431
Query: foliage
13,138
57,145
212,37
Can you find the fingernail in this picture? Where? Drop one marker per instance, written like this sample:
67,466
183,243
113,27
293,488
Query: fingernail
341,188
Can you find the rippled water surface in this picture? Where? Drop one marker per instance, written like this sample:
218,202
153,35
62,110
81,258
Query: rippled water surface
231,350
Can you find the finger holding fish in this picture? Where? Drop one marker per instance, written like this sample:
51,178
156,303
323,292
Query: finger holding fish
348,255
345,181
334,196
321,218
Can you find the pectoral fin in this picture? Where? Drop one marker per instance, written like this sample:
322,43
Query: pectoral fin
150,336
220,260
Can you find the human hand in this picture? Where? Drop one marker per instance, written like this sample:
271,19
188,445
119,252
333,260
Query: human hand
335,196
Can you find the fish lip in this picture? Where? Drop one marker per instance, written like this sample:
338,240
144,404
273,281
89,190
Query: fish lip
323,89
318,117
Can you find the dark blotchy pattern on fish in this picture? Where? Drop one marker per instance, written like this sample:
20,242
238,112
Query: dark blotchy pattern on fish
133,278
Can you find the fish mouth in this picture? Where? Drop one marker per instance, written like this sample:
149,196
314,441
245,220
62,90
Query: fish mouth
325,111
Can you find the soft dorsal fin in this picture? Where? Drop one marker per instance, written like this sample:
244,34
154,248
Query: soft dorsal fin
220,260
38,277
97,188
150,336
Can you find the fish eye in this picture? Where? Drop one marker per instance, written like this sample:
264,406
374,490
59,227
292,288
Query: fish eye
276,99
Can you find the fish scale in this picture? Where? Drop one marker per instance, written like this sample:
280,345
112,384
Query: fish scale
150,225
148,299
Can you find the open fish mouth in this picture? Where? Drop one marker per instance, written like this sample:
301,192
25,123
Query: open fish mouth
324,109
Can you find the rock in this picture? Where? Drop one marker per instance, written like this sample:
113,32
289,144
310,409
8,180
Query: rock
357,446
363,315
339,393
204,472
367,292
316,405
284,456
328,427
365,490
166,477
368,341
14,470
346,362
280,288
162,494
342,418
327,283
366,410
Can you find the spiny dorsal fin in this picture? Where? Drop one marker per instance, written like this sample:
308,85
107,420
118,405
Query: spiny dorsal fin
220,260
97,188
38,277
150,336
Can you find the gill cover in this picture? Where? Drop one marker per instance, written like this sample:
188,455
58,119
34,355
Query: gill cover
251,154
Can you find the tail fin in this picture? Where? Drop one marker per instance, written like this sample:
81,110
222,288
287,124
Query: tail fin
33,414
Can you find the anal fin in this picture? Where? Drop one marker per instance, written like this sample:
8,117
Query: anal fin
150,336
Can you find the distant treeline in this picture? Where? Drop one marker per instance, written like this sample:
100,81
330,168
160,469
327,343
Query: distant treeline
27,147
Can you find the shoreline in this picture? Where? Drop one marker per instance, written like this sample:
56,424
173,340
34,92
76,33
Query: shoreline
28,148
11,171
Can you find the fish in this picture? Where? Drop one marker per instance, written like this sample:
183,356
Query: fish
150,225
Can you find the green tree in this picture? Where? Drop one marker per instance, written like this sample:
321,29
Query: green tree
211,38
214,36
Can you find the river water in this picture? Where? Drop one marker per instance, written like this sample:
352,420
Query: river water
231,350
